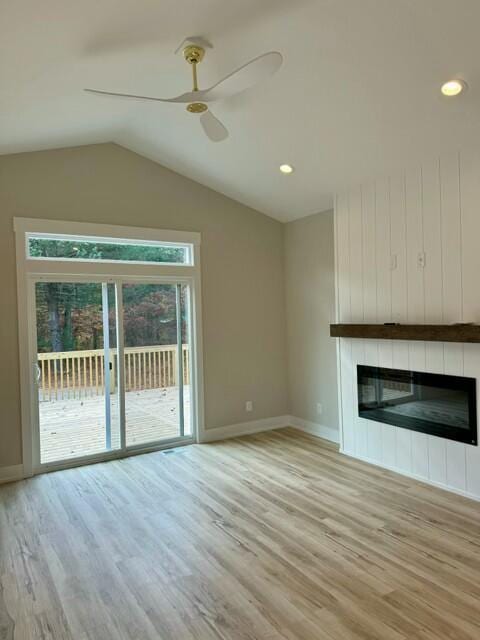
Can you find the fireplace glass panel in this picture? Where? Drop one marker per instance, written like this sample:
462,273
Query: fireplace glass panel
441,405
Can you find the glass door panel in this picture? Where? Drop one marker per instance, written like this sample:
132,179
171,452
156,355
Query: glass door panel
76,369
156,362
184,302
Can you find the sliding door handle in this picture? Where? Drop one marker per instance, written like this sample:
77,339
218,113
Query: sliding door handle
37,373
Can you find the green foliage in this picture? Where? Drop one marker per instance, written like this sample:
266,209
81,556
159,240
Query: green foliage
70,316
41,247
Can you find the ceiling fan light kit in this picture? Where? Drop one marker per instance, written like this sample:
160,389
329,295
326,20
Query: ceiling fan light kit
197,107
197,100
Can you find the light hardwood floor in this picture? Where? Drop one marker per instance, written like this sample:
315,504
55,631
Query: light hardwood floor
272,536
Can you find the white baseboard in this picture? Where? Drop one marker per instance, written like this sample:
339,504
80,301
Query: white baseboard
245,428
402,472
10,474
315,429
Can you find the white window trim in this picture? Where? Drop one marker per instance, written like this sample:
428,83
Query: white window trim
29,269
92,229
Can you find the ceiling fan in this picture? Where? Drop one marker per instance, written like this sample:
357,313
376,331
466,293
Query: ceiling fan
198,100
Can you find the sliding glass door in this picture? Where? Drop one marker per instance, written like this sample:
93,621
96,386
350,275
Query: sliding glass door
157,362
78,405
113,367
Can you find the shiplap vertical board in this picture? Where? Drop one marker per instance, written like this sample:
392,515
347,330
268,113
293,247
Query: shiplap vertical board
471,365
348,374
374,431
432,225
452,296
415,300
403,437
470,226
337,319
360,424
369,255
451,238
437,452
382,249
384,301
356,255
414,224
382,244
357,315
343,259
434,361
419,440
344,311
398,249
455,451
385,359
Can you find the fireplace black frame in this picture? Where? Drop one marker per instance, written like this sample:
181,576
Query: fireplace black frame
372,411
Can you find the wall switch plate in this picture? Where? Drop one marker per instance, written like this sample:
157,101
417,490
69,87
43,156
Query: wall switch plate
249,405
421,260
393,262
319,409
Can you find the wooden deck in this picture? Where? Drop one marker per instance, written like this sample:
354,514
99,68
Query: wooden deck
72,428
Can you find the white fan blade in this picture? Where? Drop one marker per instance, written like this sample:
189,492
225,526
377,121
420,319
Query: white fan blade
213,127
190,96
244,77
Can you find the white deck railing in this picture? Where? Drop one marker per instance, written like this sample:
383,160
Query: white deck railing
81,374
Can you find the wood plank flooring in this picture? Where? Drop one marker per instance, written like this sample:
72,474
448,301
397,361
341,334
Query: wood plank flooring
268,537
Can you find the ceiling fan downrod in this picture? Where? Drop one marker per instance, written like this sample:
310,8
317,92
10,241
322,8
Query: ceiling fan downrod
194,54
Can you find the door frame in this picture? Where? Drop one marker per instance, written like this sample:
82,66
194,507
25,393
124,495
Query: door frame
30,271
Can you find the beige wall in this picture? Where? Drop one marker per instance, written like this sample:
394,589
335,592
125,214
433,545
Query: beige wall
310,303
242,270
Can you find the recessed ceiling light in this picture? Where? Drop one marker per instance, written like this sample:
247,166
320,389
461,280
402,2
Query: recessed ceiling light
453,88
286,168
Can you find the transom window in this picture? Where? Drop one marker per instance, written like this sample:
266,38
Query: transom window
53,247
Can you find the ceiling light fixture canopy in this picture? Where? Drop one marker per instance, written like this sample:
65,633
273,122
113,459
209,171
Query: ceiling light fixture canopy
453,87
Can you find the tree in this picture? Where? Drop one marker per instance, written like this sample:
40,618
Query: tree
70,315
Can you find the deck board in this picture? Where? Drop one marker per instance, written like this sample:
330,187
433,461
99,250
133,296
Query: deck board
70,428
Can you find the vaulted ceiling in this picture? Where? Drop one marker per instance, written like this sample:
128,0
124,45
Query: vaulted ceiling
357,95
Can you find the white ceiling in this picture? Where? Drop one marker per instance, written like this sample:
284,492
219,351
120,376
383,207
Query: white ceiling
356,97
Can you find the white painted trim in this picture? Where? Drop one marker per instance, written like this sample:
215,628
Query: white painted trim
315,429
196,351
24,348
62,227
11,474
245,428
402,472
118,454
57,266
337,319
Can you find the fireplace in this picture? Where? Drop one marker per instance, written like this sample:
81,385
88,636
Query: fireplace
441,405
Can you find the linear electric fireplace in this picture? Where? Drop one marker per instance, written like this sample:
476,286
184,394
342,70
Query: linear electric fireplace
444,406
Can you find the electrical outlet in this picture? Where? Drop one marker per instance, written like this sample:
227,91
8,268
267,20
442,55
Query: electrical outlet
319,409
249,405
421,260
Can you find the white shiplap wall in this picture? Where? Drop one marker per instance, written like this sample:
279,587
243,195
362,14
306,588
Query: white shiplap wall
380,229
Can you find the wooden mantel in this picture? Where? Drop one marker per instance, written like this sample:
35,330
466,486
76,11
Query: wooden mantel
425,332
